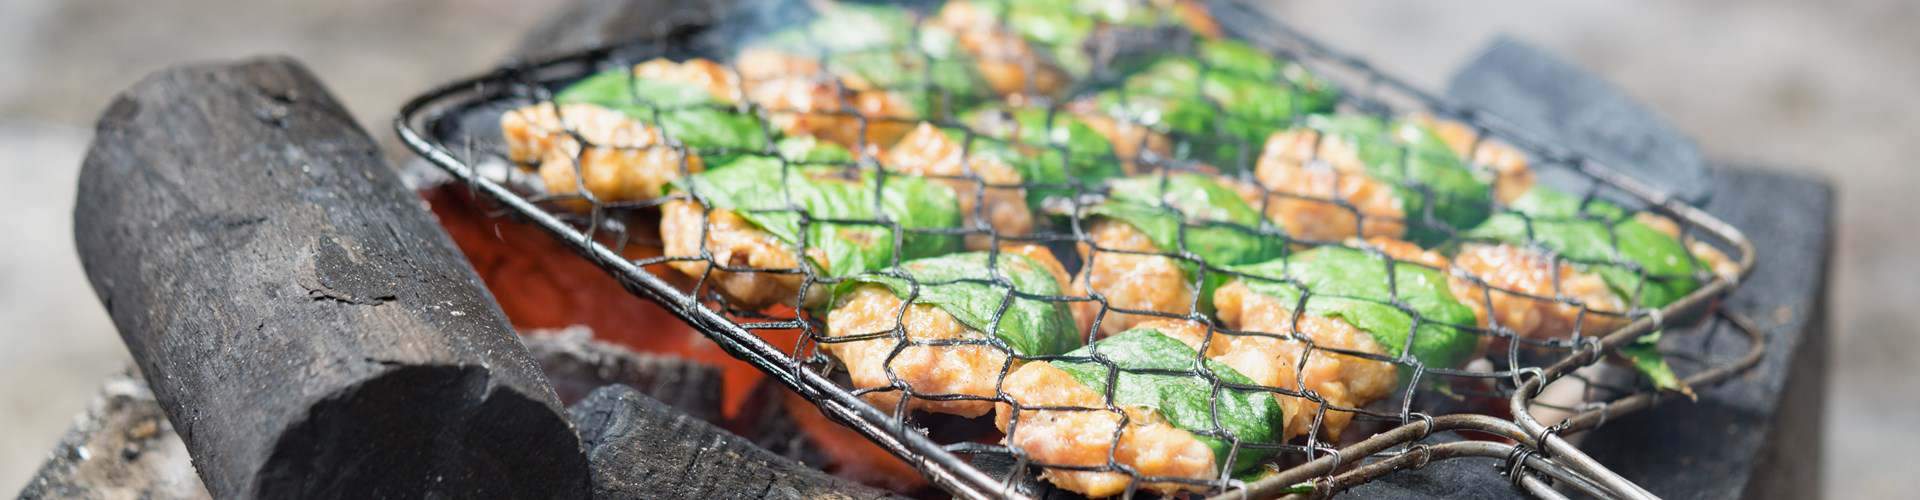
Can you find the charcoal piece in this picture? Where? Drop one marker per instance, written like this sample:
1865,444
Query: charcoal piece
121,447
1017,478
1555,101
765,421
301,318
642,448
788,424
577,364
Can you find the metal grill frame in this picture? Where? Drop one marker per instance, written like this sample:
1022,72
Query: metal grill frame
1539,447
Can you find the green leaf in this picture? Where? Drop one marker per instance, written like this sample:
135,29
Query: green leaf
1045,172
1193,212
1408,157
1588,235
1198,196
1090,154
1058,28
686,113
1355,286
1231,142
1061,28
847,27
1186,400
807,149
1049,26
1239,58
1124,12
1180,114
619,87
1219,226
934,86
1224,104
962,285
877,43
757,188
1050,155
1645,355
714,130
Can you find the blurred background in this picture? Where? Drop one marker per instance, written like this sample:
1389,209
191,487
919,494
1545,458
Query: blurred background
1827,89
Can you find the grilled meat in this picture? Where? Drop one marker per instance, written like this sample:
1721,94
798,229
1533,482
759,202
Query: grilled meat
1328,200
1009,64
1123,265
1086,438
987,187
737,244
1507,166
1340,379
1530,293
969,370
624,160
803,99
884,341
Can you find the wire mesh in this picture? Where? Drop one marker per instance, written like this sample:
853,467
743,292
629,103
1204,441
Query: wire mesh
658,186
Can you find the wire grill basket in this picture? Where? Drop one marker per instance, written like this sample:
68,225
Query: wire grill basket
737,259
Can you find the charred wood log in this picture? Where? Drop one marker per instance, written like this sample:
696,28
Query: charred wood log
642,448
781,421
577,364
307,327
766,421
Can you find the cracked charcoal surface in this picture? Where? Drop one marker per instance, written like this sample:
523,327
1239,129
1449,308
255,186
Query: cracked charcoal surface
258,272
642,448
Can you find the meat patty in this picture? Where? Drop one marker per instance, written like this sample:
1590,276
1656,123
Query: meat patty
1132,281
734,243
1404,251
1008,63
1084,436
718,80
1507,165
625,161
1275,359
1327,200
927,370
968,370
1129,139
1521,292
994,200
803,99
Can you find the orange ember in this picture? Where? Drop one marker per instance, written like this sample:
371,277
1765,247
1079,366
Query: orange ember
541,284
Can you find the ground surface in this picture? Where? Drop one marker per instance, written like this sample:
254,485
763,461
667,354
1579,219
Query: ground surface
1822,88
